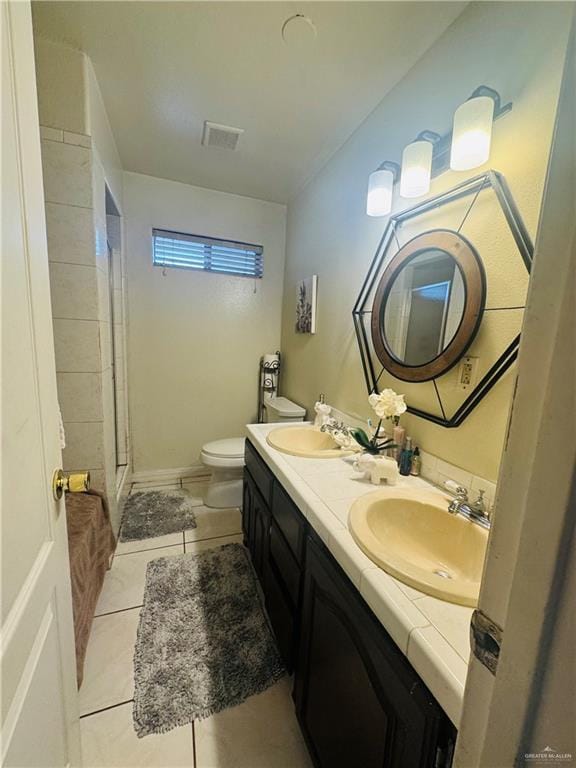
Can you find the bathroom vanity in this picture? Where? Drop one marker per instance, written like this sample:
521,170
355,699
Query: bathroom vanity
359,700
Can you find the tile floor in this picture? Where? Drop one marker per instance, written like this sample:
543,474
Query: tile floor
260,733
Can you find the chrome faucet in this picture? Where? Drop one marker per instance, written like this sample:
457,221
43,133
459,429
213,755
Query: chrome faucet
476,511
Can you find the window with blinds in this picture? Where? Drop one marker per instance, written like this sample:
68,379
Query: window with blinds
208,254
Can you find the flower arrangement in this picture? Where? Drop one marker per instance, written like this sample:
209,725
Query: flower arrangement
386,405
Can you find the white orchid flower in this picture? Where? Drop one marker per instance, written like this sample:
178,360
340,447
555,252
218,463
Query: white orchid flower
388,404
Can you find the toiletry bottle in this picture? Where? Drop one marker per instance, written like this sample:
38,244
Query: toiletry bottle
406,458
399,437
416,462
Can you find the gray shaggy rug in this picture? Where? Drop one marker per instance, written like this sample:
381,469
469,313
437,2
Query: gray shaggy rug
156,513
204,643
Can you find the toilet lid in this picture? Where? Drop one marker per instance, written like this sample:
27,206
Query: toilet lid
231,447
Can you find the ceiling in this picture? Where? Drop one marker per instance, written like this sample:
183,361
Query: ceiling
165,67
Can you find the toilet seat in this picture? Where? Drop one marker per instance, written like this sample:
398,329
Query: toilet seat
228,453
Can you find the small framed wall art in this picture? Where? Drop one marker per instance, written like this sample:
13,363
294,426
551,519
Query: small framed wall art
306,305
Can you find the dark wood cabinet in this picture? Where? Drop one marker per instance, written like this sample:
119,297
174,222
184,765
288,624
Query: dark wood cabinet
281,612
358,700
274,533
260,532
255,524
247,495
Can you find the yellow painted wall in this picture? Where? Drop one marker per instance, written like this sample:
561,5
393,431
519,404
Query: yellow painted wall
517,48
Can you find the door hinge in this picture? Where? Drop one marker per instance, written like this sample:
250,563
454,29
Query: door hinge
485,640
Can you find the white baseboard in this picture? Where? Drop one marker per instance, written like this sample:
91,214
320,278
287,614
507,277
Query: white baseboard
196,471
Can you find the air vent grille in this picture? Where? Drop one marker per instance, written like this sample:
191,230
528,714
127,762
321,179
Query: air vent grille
221,136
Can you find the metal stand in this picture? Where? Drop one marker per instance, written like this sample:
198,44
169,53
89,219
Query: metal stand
268,383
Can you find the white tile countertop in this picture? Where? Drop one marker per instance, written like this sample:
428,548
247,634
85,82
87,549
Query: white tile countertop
433,634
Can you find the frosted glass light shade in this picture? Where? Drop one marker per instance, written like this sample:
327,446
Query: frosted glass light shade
416,169
472,133
379,198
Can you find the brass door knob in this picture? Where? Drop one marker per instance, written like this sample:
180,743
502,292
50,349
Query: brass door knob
76,482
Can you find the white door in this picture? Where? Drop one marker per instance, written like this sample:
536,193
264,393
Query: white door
39,699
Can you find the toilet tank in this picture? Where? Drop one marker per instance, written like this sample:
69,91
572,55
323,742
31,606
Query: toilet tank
282,409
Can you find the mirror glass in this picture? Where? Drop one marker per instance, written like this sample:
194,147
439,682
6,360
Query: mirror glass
424,307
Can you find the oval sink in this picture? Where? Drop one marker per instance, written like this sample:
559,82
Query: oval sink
412,536
308,442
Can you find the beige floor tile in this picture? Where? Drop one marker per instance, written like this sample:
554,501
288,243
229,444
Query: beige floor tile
260,733
124,582
109,741
125,547
214,522
193,547
154,485
108,668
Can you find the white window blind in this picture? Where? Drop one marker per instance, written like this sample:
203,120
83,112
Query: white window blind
175,249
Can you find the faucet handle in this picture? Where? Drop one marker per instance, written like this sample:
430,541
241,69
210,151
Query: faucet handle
480,503
456,489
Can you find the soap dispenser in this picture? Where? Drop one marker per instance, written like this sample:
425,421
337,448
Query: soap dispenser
322,411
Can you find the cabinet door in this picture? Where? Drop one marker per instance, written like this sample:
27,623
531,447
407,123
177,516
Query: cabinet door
358,700
247,496
280,613
260,532
255,523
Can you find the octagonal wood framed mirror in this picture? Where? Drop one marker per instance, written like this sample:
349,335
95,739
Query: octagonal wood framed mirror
428,305
448,281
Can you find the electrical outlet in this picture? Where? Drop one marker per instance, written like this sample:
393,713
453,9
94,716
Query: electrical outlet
467,373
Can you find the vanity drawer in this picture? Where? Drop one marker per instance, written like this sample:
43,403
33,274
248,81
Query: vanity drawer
289,520
285,563
259,471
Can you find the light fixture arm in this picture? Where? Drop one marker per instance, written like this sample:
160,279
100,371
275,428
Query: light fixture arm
430,136
499,108
394,168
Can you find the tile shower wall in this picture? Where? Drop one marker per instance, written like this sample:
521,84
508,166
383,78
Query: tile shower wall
80,161
76,223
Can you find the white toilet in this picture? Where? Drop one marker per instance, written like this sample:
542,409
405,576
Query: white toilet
226,460
226,457
282,409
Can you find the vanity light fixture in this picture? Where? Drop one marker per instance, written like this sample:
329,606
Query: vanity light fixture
472,131
417,165
464,148
380,187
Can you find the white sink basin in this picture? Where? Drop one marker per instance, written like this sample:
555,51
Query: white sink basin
308,442
412,536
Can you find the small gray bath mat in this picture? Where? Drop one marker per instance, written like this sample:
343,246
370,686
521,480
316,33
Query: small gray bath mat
156,513
204,642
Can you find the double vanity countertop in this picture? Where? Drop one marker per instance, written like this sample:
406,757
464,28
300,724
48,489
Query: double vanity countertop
432,634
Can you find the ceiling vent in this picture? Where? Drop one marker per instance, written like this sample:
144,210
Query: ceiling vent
222,136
